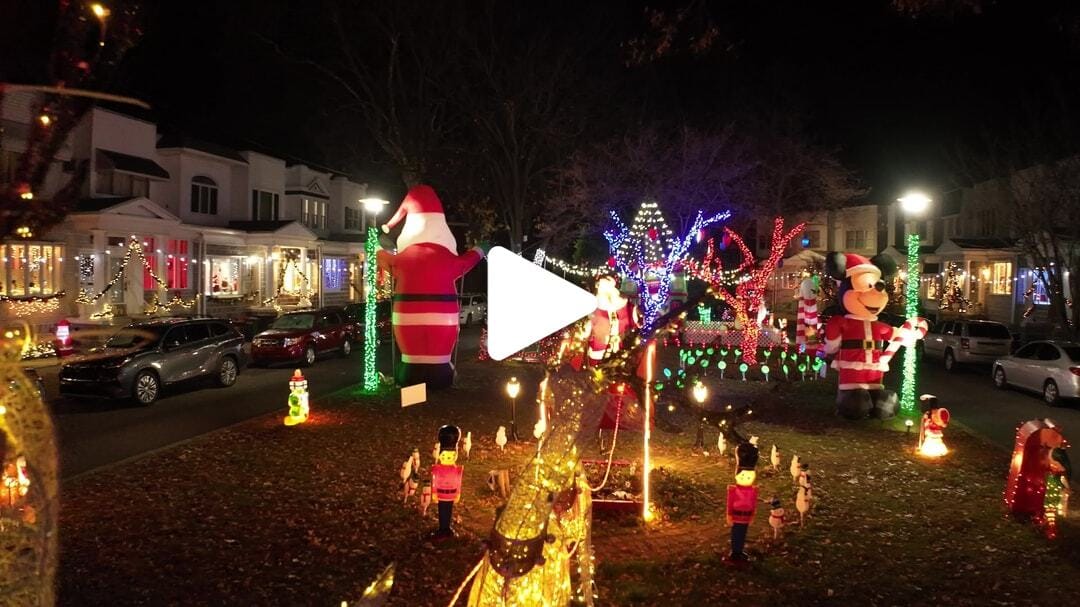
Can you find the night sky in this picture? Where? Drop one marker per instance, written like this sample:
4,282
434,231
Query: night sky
896,94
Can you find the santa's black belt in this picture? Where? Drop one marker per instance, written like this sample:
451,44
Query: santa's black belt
862,344
425,297
741,512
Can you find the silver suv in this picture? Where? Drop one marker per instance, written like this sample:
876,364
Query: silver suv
473,308
142,357
956,342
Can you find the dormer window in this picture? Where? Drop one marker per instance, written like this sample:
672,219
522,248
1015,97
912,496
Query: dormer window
204,193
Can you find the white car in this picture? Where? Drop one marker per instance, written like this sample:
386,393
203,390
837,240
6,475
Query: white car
1049,367
473,308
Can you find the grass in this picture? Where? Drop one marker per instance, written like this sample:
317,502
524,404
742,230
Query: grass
263,514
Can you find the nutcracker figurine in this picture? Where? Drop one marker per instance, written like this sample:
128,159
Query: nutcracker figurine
298,399
742,500
446,481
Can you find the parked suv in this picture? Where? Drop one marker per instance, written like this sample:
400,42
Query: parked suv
303,336
473,308
142,357
957,342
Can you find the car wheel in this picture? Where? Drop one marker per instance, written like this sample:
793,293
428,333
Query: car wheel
950,361
228,372
1050,393
468,320
346,348
999,378
146,388
309,356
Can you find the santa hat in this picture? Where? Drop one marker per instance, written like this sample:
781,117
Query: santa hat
857,264
425,222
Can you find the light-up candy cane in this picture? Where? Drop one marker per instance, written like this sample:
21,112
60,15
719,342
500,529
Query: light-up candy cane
785,368
817,364
722,365
802,370
916,325
743,367
765,370
767,354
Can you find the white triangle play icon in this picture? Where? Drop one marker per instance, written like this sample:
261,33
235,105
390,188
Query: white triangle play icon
526,303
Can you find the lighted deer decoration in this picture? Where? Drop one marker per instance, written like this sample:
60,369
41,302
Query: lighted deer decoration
749,294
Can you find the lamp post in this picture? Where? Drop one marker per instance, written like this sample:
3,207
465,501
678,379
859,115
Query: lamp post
513,388
371,334
700,393
913,204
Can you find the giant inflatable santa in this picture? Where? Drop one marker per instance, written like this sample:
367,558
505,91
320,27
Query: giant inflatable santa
425,269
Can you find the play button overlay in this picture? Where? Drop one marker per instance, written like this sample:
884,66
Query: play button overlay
526,303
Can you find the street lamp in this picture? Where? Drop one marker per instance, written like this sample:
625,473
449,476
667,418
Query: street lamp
700,393
373,206
513,388
913,204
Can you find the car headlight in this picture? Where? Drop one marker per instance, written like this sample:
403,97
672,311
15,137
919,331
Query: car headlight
290,341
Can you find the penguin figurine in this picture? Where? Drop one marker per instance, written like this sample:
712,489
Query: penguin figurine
500,438
466,444
794,469
802,504
721,444
774,458
776,517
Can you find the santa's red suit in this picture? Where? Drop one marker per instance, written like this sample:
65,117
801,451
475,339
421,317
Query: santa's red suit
859,344
608,329
425,269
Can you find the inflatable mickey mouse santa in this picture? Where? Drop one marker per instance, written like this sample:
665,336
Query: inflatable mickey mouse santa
858,339
425,269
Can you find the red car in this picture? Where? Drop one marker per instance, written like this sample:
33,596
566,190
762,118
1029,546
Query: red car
304,336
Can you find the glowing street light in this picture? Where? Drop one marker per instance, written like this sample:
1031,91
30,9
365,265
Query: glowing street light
374,205
700,393
99,11
914,203
513,388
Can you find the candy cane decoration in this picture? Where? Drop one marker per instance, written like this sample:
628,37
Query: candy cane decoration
918,325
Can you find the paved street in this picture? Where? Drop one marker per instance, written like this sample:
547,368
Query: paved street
97,433
973,400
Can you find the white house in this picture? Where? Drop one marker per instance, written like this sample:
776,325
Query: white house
215,230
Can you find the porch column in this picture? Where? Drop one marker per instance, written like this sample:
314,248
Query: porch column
99,243
318,272
161,265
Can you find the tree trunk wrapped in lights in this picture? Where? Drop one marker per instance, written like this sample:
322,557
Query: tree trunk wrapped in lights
749,294
28,508
546,525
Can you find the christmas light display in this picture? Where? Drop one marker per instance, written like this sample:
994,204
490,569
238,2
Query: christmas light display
911,309
704,313
572,269
155,306
1033,461
298,400
748,296
648,254
952,291
36,304
371,334
29,470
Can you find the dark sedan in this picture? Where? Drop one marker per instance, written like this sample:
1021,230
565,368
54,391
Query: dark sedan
142,357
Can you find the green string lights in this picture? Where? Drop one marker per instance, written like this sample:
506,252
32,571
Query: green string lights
371,335
911,308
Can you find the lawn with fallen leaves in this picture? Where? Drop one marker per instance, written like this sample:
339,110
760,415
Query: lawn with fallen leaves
263,514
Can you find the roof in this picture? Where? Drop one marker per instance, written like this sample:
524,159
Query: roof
134,164
177,140
341,237
260,226
984,243
92,205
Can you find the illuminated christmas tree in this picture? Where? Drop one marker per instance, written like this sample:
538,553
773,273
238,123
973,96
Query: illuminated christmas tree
952,290
648,253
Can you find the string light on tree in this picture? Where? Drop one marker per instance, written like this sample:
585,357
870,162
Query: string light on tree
648,253
748,296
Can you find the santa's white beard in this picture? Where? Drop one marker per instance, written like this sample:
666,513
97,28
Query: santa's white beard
426,227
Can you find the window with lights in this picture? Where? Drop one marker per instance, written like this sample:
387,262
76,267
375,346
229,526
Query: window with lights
335,273
177,264
31,268
1001,278
225,276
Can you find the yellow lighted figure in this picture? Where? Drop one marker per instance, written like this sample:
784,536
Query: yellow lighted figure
298,400
934,421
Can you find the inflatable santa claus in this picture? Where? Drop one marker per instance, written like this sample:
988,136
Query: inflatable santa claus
613,319
425,269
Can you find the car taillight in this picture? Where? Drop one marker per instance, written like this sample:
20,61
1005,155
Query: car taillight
965,343
1075,370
